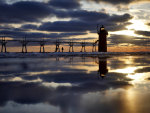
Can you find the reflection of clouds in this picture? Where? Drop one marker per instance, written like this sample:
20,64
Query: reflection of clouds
67,87
142,70
135,68
113,101
38,73
127,70
31,93
142,60
55,85
121,62
26,108
148,78
137,78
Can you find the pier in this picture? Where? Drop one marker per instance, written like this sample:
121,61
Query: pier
42,43
101,43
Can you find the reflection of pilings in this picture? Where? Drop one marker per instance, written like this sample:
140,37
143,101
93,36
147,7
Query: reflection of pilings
71,60
3,43
24,45
57,46
83,59
42,44
57,59
94,47
71,46
83,47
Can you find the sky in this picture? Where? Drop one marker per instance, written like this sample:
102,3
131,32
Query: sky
127,21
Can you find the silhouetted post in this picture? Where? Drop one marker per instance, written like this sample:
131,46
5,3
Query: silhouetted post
3,43
42,44
94,47
103,67
102,45
62,49
57,46
83,47
24,45
71,46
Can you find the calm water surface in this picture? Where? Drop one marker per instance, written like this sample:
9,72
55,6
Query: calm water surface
75,85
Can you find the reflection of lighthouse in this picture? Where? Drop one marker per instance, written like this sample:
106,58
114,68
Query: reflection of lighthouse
103,67
102,45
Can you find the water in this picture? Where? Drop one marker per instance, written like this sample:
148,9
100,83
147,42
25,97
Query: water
75,85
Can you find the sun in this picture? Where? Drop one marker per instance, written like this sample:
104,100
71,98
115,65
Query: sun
125,32
137,25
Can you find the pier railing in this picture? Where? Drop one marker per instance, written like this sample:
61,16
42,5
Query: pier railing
24,43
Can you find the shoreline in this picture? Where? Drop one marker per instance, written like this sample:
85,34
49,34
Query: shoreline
65,54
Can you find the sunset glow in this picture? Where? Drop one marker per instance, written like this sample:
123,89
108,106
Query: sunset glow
126,21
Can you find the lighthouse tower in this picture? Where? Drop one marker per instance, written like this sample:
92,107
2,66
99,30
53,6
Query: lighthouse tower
102,45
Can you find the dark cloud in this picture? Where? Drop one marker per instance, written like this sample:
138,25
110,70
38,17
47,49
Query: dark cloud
118,26
93,16
144,33
23,12
116,2
65,4
120,18
82,15
67,26
5,27
29,26
86,21
118,39
19,33
2,2
125,39
81,20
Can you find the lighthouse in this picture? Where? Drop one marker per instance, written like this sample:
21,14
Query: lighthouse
102,42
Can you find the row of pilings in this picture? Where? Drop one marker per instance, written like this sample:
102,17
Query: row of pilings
42,44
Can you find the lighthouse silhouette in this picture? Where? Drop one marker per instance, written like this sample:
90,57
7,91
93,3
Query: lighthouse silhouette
102,41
